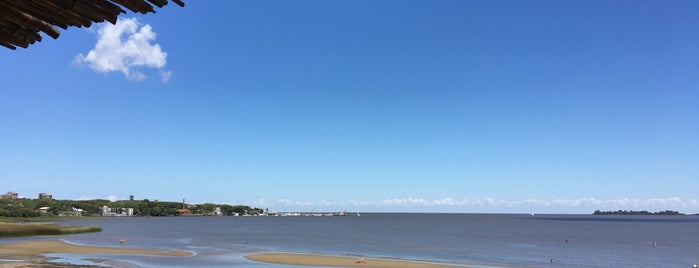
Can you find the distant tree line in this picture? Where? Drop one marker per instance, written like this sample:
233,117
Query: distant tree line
30,207
636,212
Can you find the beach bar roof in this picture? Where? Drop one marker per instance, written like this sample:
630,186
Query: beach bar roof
22,20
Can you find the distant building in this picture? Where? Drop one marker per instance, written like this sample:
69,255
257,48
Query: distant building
217,211
69,214
45,196
103,211
115,212
10,195
184,210
74,212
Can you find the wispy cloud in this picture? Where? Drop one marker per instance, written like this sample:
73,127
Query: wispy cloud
580,205
126,47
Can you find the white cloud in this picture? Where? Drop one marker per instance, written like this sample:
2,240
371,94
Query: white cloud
403,201
112,198
446,202
165,75
126,47
489,204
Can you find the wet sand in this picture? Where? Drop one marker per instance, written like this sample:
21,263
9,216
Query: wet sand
59,247
28,253
335,261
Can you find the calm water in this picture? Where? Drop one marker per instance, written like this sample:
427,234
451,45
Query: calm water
481,239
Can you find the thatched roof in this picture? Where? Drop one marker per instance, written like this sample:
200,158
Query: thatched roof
22,20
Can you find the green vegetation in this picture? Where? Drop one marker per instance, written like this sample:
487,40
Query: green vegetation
30,229
635,212
31,208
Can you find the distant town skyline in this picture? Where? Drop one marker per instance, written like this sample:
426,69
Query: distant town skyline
389,106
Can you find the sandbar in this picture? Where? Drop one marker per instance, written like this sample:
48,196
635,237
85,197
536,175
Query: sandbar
60,247
32,250
337,261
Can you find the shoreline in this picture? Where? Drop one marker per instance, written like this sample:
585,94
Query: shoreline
31,253
340,261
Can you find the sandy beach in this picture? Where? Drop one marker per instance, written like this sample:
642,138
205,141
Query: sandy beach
28,253
335,261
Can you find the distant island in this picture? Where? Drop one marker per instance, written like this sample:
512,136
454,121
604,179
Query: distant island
636,212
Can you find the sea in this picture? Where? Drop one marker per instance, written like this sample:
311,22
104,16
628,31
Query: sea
480,240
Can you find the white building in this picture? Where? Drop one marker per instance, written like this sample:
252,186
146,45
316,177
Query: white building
217,211
114,212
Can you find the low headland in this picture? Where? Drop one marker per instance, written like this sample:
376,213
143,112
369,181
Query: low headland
13,206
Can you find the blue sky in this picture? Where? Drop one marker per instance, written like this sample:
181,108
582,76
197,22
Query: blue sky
415,106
